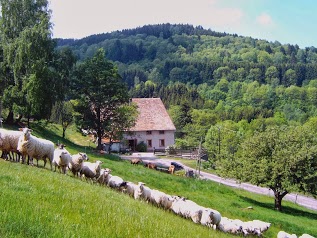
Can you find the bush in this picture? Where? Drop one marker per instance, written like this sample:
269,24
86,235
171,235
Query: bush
141,147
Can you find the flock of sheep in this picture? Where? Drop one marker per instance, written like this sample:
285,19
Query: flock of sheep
21,145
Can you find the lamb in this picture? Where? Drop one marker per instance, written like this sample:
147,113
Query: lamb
116,182
143,192
61,158
76,163
35,147
9,142
91,170
210,218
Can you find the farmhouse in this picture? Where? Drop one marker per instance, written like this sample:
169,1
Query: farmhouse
154,126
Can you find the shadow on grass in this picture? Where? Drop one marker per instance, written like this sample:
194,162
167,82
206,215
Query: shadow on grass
285,209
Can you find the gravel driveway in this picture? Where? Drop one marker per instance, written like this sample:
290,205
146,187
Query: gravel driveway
304,201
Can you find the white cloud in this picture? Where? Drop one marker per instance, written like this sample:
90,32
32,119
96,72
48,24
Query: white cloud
265,20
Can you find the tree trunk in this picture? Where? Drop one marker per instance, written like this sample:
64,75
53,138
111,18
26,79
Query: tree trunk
10,119
64,130
278,199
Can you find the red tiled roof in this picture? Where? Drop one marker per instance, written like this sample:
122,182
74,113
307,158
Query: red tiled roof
152,115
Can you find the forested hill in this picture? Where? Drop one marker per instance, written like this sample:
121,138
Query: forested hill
169,53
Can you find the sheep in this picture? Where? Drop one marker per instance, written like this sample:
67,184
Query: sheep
115,182
151,166
76,163
283,234
210,218
306,236
131,189
156,197
255,227
136,161
91,170
230,226
61,158
167,201
191,210
143,192
9,142
171,169
102,177
35,147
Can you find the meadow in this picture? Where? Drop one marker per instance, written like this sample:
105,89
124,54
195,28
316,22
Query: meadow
36,202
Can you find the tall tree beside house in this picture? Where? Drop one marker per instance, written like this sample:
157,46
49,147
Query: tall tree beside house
281,158
99,86
124,118
27,46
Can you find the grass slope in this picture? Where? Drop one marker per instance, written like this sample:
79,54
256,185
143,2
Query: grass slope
38,203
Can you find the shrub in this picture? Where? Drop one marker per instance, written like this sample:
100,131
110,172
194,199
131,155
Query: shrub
141,147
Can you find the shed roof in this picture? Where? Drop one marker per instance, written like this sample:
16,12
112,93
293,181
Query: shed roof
152,115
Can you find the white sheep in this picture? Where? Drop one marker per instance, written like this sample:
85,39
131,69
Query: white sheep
35,147
91,170
306,236
9,142
283,234
167,201
131,189
230,226
61,158
210,218
191,210
156,197
255,227
76,163
103,176
143,192
116,182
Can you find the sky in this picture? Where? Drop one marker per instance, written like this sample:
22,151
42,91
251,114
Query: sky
285,21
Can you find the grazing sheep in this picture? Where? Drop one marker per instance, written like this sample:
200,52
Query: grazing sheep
8,143
91,170
102,177
230,226
283,234
156,197
151,166
306,236
116,182
143,192
76,163
167,201
171,169
131,189
210,218
191,210
136,161
35,147
61,158
255,227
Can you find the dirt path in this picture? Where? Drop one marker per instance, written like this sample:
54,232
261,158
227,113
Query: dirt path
304,201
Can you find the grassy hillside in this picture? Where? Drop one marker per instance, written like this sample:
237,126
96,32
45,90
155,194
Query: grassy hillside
38,203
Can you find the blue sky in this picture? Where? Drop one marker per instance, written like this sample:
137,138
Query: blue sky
286,21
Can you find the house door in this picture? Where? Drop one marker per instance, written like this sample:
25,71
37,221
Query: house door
132,144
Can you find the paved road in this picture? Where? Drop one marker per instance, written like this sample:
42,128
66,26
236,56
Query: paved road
305,201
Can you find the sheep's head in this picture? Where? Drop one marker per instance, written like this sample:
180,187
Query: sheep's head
84,156
26,132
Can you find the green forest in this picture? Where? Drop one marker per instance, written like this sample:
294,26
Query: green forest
251,103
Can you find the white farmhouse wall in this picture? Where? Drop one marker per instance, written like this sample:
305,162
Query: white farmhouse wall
155,137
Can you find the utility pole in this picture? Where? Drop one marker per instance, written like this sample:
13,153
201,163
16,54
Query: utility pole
199,158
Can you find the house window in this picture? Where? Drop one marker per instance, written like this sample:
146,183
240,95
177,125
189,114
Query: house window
162,143
149,143
161,132
149,132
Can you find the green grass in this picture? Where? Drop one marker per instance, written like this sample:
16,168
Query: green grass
36,202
